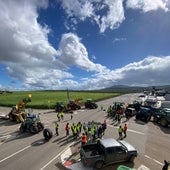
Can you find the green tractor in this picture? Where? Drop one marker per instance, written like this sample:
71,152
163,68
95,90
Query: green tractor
32,124
90,104
60,107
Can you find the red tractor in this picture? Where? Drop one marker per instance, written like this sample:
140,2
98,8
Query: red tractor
74,104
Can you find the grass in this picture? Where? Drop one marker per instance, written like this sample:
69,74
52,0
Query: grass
48,99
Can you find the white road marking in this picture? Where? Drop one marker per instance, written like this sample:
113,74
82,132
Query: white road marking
154,160
130,130
142,167
15,153
56,156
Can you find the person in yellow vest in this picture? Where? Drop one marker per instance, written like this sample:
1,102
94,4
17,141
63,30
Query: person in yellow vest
120,131
93,133
56,128
58,116
62,115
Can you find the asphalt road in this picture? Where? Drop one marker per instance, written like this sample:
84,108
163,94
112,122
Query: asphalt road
32,152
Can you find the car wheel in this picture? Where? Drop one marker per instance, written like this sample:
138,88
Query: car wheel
131,158
98,165
163,122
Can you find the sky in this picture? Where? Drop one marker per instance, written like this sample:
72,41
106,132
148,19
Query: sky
84,44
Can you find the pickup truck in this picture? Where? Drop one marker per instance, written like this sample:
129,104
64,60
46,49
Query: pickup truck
106,151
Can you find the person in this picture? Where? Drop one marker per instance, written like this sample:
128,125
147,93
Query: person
71,115
84,139
120,131
99,132
125,130
58,116
101,107
56,128
67,128
119,118
104,126
62,115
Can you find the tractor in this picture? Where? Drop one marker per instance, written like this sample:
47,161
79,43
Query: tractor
32,124
74,104
90,104
60,107
18,113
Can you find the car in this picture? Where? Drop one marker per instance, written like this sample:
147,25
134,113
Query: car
107,151
162,117
144,114
129,112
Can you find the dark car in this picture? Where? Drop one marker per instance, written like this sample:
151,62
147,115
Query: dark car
90,104
162,117
129,112
144,114
105,152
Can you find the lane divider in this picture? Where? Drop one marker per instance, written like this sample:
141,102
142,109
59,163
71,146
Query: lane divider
15,153
154,160
57,156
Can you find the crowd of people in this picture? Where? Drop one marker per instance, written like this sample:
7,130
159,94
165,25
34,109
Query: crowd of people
88,132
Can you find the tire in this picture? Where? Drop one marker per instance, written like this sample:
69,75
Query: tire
40,126
33,129
22,128
99,165
131,158
47,133
155,119
163,122
11,117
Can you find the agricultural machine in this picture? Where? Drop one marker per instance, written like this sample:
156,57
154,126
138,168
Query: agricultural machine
60,106
74,104
116,108
90,104
32,124
18,113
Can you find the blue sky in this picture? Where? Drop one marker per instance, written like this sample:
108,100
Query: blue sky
84,44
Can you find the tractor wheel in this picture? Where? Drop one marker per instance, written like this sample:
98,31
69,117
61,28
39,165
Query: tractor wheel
40,126
11,117
18,119
47,133
33,129
163,122
155,119
22,128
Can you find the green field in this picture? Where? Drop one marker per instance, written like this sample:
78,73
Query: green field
48,99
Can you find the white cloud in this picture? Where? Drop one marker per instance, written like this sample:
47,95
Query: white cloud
31,59
149,71
24,46
107,14
148,5
83,9
73,52
119,39
114,17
